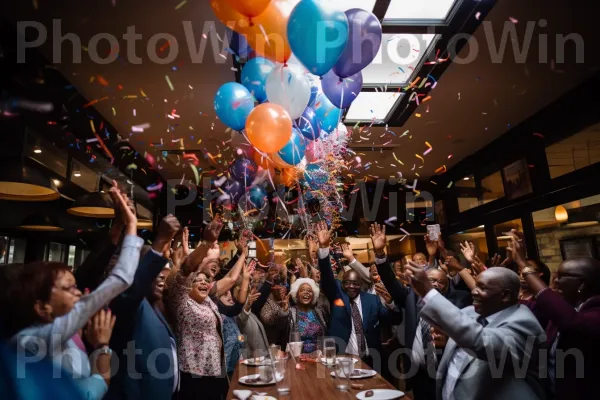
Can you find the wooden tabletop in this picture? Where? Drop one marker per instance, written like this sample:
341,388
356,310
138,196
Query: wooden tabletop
312,382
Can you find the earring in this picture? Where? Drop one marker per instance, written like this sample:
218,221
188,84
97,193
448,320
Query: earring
579,291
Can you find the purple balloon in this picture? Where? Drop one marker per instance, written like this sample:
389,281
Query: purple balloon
308,124
235,190
342,92
244,171
364,41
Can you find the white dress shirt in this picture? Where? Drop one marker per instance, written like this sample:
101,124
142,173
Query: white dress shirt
459,358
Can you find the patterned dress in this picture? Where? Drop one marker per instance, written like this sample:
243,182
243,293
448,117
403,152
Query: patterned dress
310,329
198,330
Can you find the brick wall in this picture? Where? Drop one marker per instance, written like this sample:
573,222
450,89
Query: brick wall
548,241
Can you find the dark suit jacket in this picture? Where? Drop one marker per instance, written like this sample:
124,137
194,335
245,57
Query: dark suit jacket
578,331
138,322
340,325
406,298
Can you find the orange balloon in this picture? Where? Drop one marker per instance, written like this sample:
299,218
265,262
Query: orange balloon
273,21
269,127
264,162
250,8
289,176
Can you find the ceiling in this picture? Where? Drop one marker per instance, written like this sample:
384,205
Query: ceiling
472,104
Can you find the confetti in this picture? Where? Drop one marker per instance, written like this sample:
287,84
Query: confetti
420,158
477,15
178,6
169,83
513,20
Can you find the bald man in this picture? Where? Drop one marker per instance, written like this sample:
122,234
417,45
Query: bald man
355,315
494,345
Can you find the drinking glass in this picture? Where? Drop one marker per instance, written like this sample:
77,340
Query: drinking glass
329,351
274,350
283,378
343,370
295,337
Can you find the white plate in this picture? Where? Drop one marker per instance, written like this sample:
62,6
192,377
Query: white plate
366,373
380,394
323,360
256,362
244,381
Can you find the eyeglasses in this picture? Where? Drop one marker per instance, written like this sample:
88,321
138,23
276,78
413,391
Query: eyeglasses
351,284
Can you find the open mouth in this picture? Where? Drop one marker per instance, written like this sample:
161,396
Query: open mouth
306,297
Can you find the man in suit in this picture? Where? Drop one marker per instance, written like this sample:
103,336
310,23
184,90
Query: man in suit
355,315
420,366
142,338
494,345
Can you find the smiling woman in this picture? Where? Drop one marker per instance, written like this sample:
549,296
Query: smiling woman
305,318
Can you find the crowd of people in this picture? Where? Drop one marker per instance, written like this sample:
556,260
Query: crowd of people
164,321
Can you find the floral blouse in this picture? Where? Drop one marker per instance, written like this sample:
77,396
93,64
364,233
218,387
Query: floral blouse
198,330
274,320
310,329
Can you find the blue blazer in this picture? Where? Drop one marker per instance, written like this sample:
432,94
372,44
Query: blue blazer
340,325
139,323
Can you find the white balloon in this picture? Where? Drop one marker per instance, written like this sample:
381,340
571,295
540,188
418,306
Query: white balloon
290,88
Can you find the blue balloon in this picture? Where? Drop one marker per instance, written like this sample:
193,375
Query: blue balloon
233,103
254,76
244,171
328,115
235,190
315,176
257,196
317,33
293,152
239,45
309,125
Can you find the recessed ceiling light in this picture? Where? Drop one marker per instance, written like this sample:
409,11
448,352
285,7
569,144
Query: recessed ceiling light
482,226
76,174
372,106
466,178
56,182
37,150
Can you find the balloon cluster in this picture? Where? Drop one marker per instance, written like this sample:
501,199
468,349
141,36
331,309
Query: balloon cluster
288,111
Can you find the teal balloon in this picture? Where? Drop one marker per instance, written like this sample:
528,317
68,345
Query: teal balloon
293,152
257,196
328,115
254,76
233,103
315,176
317,33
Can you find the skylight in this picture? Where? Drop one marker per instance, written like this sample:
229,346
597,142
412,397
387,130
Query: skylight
398,59
407,12
369,106
348,4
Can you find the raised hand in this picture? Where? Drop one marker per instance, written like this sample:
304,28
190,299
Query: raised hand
99,328
252,297
213,252
453,265
347,252
167,229
432,246
241,243
382,291
518,251
378,239
213,229
301,268
495,261
418,278
477,265
468,250
128,217
323,234
185,242
442,248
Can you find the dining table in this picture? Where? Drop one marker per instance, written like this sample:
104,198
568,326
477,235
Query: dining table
310,379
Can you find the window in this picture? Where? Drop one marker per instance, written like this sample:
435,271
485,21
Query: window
492,187
4,245
71,257
502,234
406,12
16,251
466,191
56,252
568,230
476,236
369,106
575,152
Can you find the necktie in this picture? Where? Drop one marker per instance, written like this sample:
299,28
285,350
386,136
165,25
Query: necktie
482,321
425,333
358,328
